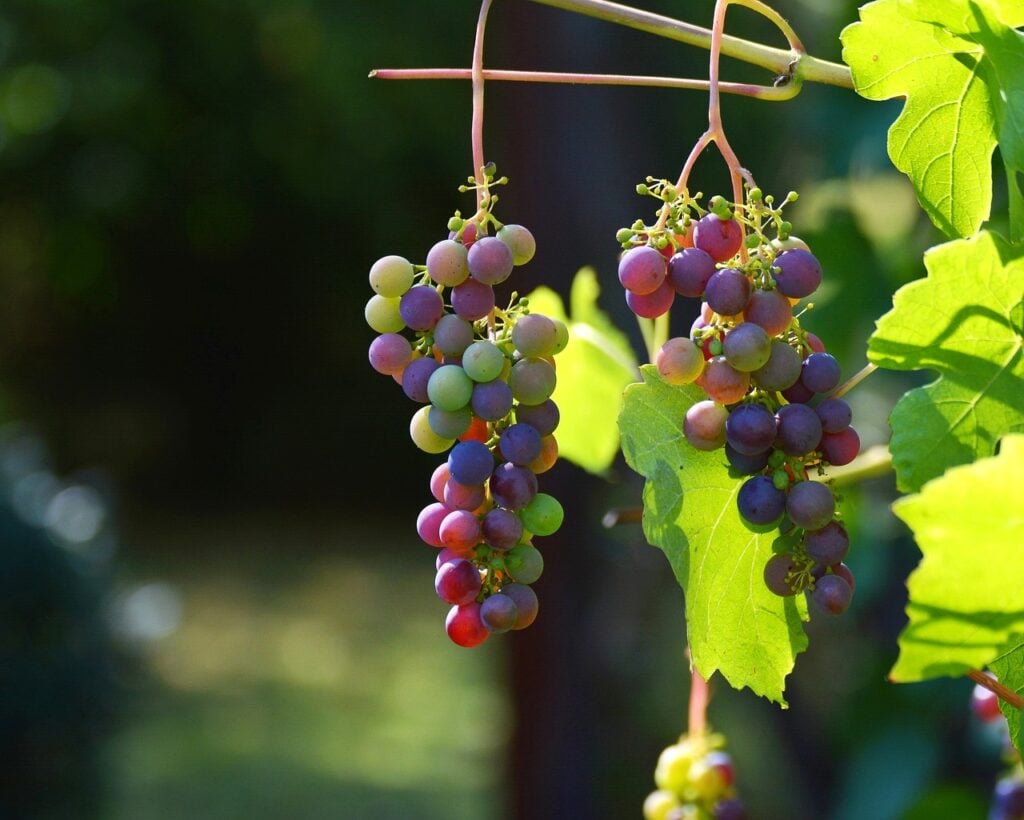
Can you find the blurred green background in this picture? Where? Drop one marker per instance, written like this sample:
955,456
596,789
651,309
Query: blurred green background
212,600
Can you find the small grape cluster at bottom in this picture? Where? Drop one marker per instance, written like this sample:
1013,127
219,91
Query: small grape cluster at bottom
484,377
696,781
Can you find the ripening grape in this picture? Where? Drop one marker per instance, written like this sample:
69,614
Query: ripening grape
472,300
547,458
781,371
679,361
840,448
642,270
526,603
543,515
383,314
447,263
450,388
491,401
718,238
499,613
423,435
770,310
460,530
799,429
532,381
391,276
483,361
524,563
797,273
428,524
519,444
457,582
416,377
750,429
704,425
652,305
452,335
490,261
449,423
421,307
465,626
777,571
439,479
835,415
747,347
535,336
722,382
543,417
390,353
731,809
502,529
512,486
985,704
820,372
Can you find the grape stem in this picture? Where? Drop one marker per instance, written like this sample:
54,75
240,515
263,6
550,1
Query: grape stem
997,688
478,106
773,93
793,63
700,694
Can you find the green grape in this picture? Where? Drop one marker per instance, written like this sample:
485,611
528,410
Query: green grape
520,241
424,437
391,276
450,388
449,423
543,515
532,381
483,361
562,338
659,804
382,314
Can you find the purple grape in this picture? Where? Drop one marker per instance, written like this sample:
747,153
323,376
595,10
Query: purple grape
390,353
820,372
532,381
470,462
492,401
835,415
731,809
472,300
797,393
798,274
776,571
846,574
760,501
457,582
810,504
828,545
718,238
750,429
460,531
840,448
781,371
458,496
512,486
722,382
689,271
770,310
746,464
543,417
642,270
832,594
1008,799
526,603
464,625
490,261
446,263
499,612
652,305
416,376
453,335
421,307
728,292
799,429
502,529
428,524
747,347
519,444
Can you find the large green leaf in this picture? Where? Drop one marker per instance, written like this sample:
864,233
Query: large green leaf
735,625
593,370
965,595
965,320
1009,668
958,66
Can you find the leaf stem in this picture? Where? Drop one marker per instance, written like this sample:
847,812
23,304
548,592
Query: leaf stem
776,93
854,380
779,61
999,689
700,695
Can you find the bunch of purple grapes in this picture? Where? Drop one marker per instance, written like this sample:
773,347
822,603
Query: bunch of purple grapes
484,377
695,779
767,379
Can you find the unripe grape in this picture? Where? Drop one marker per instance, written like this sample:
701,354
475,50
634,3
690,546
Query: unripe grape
673,770
770,310
383,314
747,347
781,371
423,435
704,425
524,563
532,381
547,458
391,276
722,382
453,335
543,515
447,263
658,804
562,339
449,423
535,336
483,361
679,361
526,603
450,388
520,241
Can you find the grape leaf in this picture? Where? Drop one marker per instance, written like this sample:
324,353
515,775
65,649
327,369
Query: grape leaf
957,64
965,320
965,595
593,370
735,625
1009,668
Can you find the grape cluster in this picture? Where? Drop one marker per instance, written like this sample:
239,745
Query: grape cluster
484,377
767,379
695,780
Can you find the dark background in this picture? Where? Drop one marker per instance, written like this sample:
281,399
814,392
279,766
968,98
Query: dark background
191,195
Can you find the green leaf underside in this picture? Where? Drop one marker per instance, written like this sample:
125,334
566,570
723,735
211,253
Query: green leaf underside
958,66
735,625
593,370
965,595
1009,668
965,321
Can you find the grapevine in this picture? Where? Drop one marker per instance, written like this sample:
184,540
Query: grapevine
748,406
